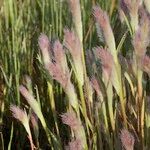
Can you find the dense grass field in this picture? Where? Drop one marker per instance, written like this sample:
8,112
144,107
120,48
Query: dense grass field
75,74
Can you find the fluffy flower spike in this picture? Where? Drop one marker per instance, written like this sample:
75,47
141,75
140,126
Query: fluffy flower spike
102,20
44,45
127,139
76,14
22,116
73,44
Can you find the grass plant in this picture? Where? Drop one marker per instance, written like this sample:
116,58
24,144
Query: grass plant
75,74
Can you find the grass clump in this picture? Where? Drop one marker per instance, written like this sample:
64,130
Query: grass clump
89,85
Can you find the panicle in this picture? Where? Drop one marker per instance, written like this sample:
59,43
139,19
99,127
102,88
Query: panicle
59,70
76,14
71,120
123,6
133,7
33,103
27,95
58,51
95,85
22,116
64,79
59,56
57,73
106,60
127,139
141,38
43,42
74,123
100,16
103,22
19,114
88,91
109,68
44,45
73,44
75,144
